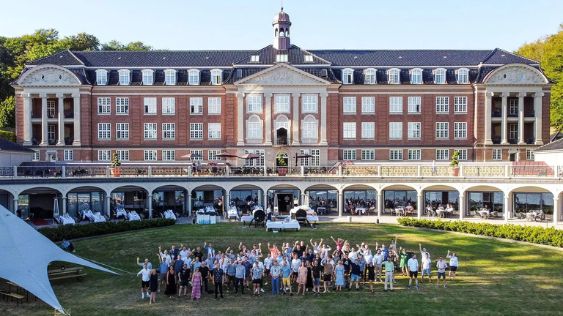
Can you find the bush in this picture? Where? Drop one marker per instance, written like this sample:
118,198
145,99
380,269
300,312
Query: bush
533,234
7,135
94,229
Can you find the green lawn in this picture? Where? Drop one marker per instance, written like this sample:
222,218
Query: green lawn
495,277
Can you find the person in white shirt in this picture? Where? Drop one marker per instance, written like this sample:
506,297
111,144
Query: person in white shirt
426,264
145,274
413,270
378,263
295,264
454,263
441,265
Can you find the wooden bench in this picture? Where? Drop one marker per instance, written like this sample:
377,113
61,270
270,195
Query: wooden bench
13,296
66,273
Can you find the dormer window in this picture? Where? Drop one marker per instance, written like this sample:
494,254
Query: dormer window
148,77
124,77
462,76
393,76
281,58
216,77
254,58
170,77
308,58
440,76
416,76
101,77
193,77
348,76
370,76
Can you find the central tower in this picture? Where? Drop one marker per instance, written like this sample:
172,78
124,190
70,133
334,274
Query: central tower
281,26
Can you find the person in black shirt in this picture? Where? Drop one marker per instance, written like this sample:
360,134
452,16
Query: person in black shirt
184,276
204,269
197,254
317,272
355,274
218,280
371,275
153,286
347,265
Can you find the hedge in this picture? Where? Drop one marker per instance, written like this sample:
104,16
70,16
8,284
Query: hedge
534,234
7,135
94,229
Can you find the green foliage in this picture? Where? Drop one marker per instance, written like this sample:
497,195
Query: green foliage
8,135
281,161
95,229
82,42
7,112
454,162
115,160
549,52
131,46
533,234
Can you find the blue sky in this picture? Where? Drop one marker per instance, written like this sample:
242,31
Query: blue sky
246,24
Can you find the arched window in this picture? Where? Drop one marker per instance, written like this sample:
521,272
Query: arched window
462,76
216,77
124,77
254,128
309,129
170,77
101,77
440,76
148,77
370,76
416,76
281,127
394,76
193,77
348,76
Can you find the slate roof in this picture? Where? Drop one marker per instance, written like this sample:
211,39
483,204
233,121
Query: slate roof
556,145
6,145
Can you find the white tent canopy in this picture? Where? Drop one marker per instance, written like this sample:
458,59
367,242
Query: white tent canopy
21,244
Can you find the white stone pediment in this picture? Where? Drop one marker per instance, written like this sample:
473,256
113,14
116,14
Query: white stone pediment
48,75
516,74
282,75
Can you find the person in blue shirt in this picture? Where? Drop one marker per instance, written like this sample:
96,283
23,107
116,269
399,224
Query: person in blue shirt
275,273
240,275
286,277
178,264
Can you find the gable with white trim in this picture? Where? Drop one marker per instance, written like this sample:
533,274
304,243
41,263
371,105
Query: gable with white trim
516,74
48,75
282,75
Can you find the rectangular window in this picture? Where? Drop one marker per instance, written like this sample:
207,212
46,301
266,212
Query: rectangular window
395,154
122,131
415,104
196,105
460,104
168,106
51,132
349,154
414,130
395,105
255,162
104,155
52,108
349,130
368,130
168,155
68,155
368,154
196,131
512,106
214,105
442,130
150,155
530,155
281,58
122,106
254,103
281,103
460,130
197,154
35,155
414,154
104,105
395,130
313,161
150,105
497,154
254,129
462,154
442,154
214,131
168,131
349,105
442,105
123,155
309,131
309,103
104,131
150,131
212,154
254,58
308,58
513,131
368,105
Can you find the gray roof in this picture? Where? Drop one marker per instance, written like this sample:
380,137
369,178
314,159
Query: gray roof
556,145
6,145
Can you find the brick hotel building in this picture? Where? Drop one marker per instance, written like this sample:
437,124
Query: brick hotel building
282,100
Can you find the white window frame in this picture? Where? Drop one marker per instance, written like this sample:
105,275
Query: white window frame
462,75
368,105
150,131
168,154
530,155
68,155
216,77
170,77
168,131
121,131
255,58
123,154
462,154
368,130
197,154
414,104
309,129
442,154
349,105
394,76
281,103
414,154
395,105
439,75
395,130
149,105
349,154
214,106
460,104
349,130
254,103
168,105
122,105
148,77
36,155
309,103
150,155
442,130
416,76
104,131
196,105
213,131
196,131
193,77
460,130
396,154
497,154
124,77
367,154
254,128
370,76
282,58
348,76
104,155
414,130
104,105
255,162
442,105
101,77
308,58
212,154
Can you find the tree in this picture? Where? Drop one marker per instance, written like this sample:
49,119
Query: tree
82,41
7,112
549,52
131,46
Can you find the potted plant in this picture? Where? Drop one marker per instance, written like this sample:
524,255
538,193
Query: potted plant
454,164
282,165
115,169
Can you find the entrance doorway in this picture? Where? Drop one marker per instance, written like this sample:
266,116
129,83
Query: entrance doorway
283,202
281,136
512,156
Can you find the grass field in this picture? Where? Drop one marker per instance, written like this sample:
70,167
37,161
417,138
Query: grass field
495,277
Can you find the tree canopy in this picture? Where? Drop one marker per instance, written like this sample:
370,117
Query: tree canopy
549,52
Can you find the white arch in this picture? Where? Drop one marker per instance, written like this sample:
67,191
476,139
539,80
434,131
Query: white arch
516,74
48,74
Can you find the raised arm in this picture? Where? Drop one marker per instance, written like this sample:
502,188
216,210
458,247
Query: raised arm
420,248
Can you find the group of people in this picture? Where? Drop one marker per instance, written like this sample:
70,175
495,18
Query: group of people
316,267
